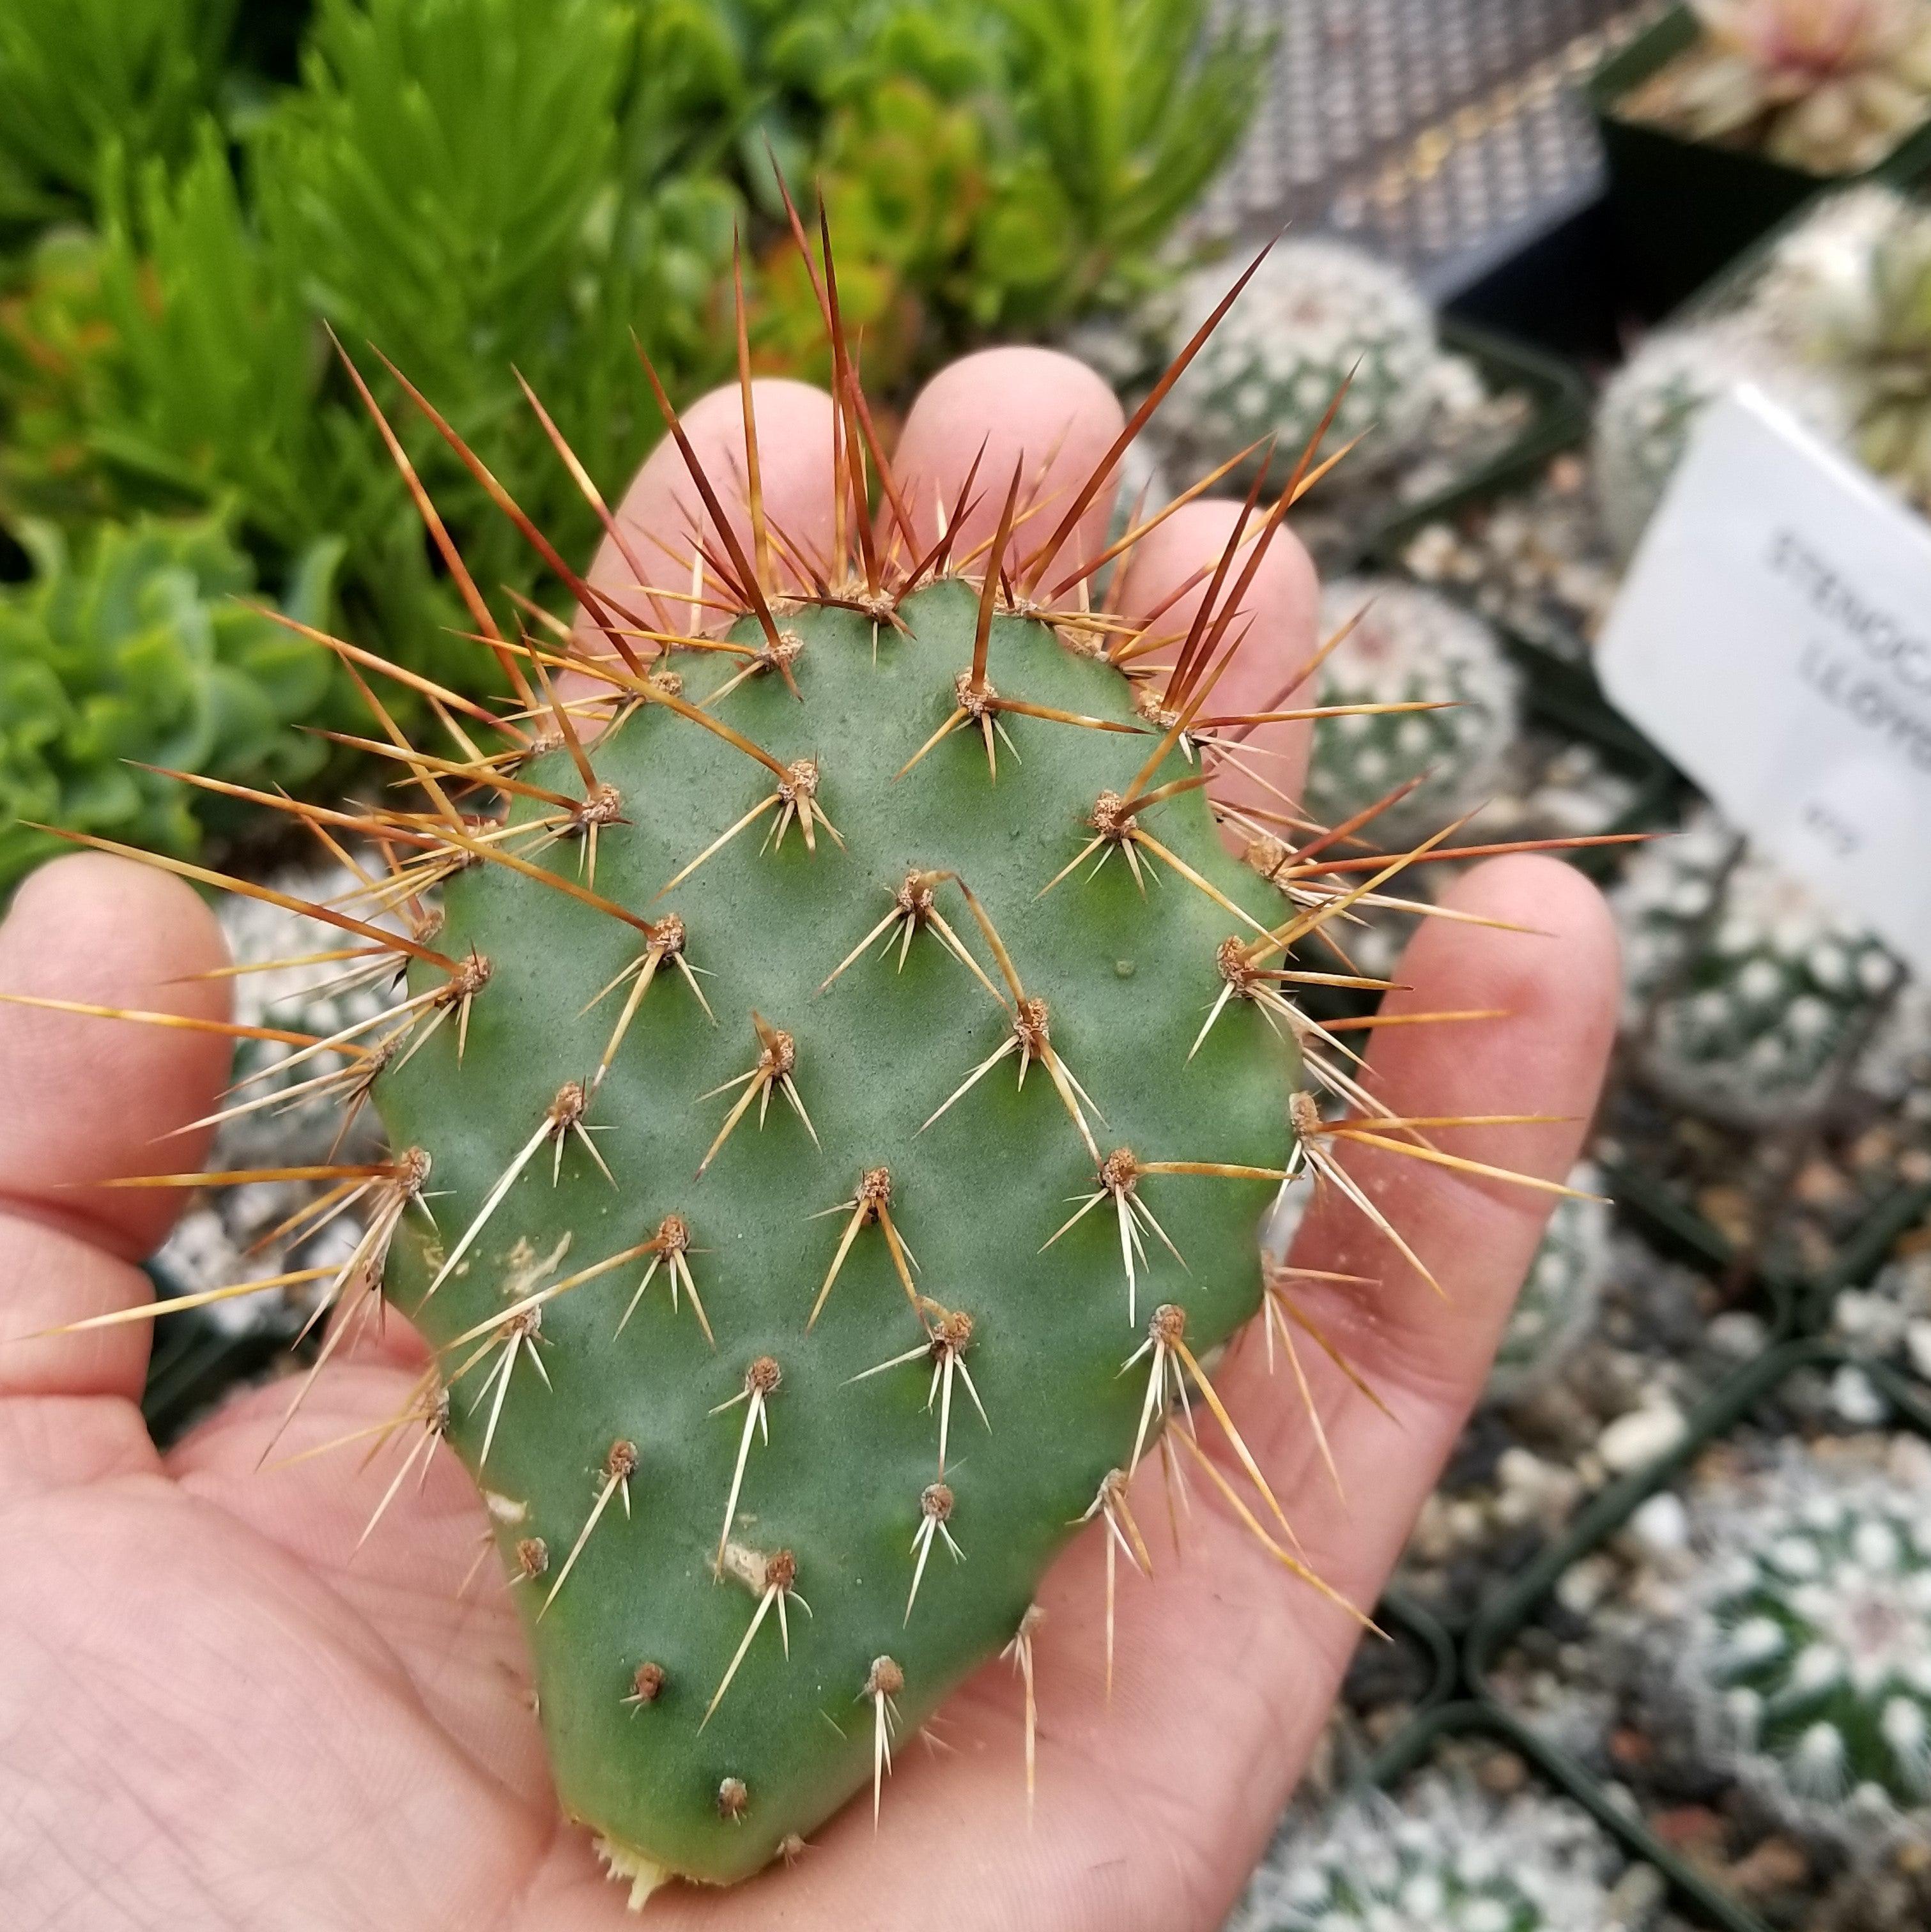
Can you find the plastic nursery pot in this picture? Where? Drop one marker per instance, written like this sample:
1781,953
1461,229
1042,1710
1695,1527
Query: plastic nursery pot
1864,1254
1558,417
194,1362
1676,1227
1692,1896
1684,208
1406,1619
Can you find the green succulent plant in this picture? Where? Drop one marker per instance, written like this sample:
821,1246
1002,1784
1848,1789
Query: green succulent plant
140,649
80,78
1010,164
491,189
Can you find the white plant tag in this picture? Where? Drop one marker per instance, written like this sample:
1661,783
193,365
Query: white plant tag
1773,637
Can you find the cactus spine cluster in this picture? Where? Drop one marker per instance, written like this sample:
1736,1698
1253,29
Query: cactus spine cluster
1405,645
1746,992
1440,1856
1808,1652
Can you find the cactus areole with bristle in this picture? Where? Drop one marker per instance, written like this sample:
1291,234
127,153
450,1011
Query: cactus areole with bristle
778,1464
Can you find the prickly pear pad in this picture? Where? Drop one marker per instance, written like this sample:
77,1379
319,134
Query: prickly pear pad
614,1445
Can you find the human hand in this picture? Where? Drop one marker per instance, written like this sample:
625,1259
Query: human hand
211,1716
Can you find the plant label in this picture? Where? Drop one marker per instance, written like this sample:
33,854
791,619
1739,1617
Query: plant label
1773,637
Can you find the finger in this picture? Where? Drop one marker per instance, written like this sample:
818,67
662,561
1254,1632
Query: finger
423,1576
1032,409
663,518
1275,617
89,1099
1558,983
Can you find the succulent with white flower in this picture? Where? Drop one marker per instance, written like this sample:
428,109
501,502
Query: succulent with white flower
1442,1856
1409,645
1806,1650
1560,1294
1315,314
1747,992
1650,410
1829,86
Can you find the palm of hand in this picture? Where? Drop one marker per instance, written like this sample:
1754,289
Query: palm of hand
216,1710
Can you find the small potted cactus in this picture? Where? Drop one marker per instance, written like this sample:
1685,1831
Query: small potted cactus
1441,1852
1726,115
1751,999
1802,1657
1404,646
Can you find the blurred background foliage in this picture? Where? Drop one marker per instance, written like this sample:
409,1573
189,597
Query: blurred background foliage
190,189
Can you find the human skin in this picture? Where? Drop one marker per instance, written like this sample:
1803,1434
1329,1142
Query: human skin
210,1717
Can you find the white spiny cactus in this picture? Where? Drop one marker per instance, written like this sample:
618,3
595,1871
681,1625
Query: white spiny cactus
1806,1652
1747,992
1315,314
1650,409
1441,1856
1409,644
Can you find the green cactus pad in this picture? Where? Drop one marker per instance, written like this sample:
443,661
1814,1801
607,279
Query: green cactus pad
646,1417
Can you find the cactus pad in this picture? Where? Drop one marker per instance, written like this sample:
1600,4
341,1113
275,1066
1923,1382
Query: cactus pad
829,1089
842,1072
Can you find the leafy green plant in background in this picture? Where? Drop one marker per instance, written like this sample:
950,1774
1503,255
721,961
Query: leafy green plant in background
79,76
1004,167
137,647
175,363
442,186
1131,134
483,188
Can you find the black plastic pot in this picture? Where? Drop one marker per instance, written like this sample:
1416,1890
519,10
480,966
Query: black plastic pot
1684,209
1558,416
195,1363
